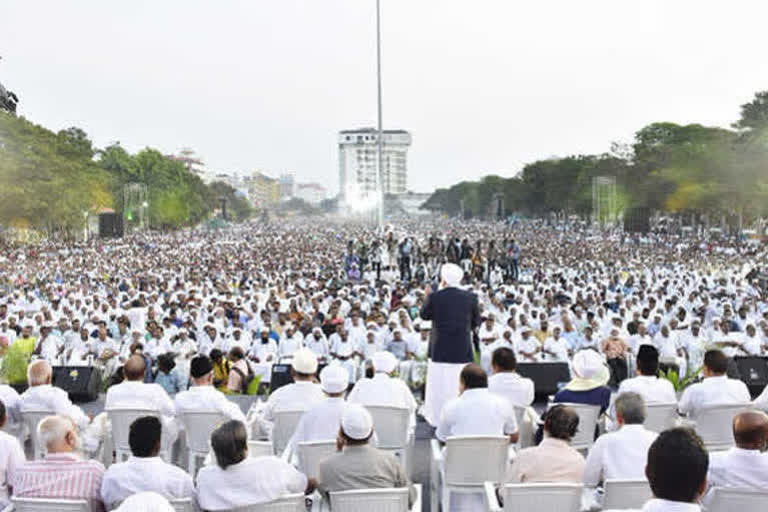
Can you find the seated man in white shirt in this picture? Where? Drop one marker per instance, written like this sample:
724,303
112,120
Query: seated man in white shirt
746,465
144,471
506,382
647,383
715,389
676,471
476,411
321,422
300,395
134,393
11,457
621,454
383,389
42,396
12,401
237,480
202,396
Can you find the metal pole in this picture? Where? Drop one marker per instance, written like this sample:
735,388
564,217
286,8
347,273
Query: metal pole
380,136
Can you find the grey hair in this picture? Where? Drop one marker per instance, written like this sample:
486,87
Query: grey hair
38,372
52,429
631,407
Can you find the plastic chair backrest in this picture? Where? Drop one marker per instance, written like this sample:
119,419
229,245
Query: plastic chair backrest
121,420
588,415
287,503
473,460
542,497
371,500
259,448
199,426
714,424
392,426
730,499
31,418
46,504
183,505
284,427
621,494
312,453
661,416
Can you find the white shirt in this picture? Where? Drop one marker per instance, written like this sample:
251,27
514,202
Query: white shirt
11,456
298,396
141,474
49,398
620,454
656,505
651,388
139,395
518,390
476,412
384,390
713,391
252,481
737,467
320,423
12,402
207,398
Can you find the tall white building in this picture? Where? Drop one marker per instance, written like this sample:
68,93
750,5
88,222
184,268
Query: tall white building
358,161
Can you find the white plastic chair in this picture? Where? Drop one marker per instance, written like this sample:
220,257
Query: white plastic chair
467,463
183,505
259,448
48,504
661,416
525,428
121,420
375,500
31,418
287,503
199,425
714,424
588,416
535,497
312,453
730,499
284,426
620,494
392,426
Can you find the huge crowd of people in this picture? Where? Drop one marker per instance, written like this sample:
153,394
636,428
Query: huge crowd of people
178,322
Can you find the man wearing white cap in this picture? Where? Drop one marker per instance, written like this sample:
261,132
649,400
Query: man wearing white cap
383,389
321,422
454,314
301,395
360,465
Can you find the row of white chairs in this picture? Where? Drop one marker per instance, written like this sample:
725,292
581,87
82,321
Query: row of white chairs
372,500
714,423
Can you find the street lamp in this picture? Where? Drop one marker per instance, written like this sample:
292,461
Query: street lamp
380,135
144,207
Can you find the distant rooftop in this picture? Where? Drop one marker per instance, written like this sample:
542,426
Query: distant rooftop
370,130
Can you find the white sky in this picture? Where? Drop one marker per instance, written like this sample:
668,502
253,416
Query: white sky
483,85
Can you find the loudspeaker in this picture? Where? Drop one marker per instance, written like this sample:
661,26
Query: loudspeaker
281,375
547,377
753,371
110,225
80,382
637,220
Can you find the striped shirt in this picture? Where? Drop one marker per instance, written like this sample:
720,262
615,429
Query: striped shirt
62,476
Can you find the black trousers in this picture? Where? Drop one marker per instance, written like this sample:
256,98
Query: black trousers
618,368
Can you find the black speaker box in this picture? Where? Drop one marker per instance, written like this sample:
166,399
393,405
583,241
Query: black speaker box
547,377
753,371
637,220
82,383
110,225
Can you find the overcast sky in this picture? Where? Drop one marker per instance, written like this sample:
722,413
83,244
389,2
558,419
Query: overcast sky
484,86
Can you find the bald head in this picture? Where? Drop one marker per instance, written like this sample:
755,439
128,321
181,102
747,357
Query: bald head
39,373
134,368
750,430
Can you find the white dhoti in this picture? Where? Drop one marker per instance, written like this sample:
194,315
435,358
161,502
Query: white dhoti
442,385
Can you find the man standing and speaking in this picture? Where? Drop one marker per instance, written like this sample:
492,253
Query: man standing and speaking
454,314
